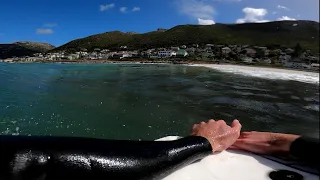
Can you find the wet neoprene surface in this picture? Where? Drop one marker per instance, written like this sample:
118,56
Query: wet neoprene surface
307,149
51,158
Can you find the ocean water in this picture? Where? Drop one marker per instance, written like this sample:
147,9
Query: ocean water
139,101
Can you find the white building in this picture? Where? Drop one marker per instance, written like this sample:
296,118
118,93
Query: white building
315,66
226,50
209,46
183,47
166,54
9,60
284,58
247,59
126,55
175,48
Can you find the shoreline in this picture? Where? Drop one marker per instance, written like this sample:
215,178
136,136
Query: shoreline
265,72
187,62
259,71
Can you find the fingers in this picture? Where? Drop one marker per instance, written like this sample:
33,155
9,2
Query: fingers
194,127
222,122
236,125
211,121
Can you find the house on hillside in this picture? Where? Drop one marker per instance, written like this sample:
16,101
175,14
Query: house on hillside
105,51
251,52
262,48
266,52
33,59
284,58
183,47
289,51
182,53
209,46
191,50
73,56
166,54
226,50
121,55
247,59
8,60
315,66
175,48
238,49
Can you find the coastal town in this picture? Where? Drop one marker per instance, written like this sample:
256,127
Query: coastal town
209,53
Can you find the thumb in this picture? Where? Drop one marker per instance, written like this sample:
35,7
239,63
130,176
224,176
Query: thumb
236,125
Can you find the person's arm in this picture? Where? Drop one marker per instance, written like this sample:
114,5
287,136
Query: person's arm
54,158
305,148
82,158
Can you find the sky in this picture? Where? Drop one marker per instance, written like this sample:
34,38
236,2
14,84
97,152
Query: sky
60,21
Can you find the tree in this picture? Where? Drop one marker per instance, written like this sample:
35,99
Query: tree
298,50
259,53
234,56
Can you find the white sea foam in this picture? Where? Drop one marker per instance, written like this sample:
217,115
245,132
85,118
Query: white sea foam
267,73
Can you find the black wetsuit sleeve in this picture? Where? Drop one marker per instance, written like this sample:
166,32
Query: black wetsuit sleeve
306,149
54,158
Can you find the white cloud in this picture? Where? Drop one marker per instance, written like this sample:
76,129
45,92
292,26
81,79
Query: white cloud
106,7
123,9
196,9
135,9
283,7
274,13
286,18
44,31
50,25
205,21
253,15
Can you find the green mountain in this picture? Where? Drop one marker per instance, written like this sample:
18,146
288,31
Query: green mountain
282,33
19,49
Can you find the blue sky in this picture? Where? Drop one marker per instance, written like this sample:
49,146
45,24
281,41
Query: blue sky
58,22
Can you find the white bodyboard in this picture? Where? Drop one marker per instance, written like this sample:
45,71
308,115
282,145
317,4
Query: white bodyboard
231,165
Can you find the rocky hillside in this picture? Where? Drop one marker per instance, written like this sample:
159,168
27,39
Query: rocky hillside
36,46
282,33
19,49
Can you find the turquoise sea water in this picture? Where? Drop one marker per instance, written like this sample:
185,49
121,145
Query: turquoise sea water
133,101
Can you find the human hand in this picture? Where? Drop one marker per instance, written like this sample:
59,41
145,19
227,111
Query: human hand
218,133
265,142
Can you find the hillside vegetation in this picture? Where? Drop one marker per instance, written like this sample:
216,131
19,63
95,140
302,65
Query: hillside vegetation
35,46
19,49
278,33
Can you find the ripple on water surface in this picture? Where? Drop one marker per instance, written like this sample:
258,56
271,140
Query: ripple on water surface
147,102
